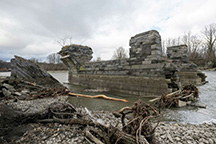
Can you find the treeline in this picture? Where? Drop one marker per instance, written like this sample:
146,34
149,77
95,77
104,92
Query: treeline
54,63
4,66
201,47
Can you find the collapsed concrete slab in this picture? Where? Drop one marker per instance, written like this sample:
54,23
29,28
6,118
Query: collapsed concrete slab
145,73
27,70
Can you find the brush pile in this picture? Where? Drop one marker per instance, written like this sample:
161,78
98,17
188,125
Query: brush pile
178,98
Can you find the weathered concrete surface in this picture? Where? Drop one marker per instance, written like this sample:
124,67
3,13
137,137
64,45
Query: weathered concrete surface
146,46
138,74
140,86
74,56
29,71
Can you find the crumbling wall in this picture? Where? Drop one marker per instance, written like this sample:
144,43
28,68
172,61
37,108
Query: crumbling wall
144,72
188,72
145,60
146,47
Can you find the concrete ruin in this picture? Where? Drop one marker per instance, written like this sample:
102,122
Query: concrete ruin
27,70
145,73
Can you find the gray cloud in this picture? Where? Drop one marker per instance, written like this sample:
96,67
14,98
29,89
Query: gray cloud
26,22
30,27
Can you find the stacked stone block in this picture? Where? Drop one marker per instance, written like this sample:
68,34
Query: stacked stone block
178,53
146,47
179,56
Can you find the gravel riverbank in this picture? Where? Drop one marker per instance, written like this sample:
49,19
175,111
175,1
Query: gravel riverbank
61,133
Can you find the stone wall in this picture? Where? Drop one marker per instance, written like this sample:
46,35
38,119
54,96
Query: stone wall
146,47
178,53
145,72
140,86
179,56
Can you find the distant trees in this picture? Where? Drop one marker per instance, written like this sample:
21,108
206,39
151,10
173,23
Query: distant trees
34,60
53,58
201,47
119,53
5,65
209,34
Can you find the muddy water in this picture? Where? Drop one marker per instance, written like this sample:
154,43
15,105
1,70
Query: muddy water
101,104
185,115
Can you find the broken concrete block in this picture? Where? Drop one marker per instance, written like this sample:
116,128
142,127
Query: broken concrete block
181,103
17,94
9,87
188,102
198,104
6,92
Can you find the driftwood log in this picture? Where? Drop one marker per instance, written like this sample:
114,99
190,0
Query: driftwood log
98,96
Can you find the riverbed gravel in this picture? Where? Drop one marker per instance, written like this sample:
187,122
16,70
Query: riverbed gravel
165,133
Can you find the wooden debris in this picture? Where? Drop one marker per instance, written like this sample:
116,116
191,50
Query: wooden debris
168,95
178,98
139,124
98,96
50,92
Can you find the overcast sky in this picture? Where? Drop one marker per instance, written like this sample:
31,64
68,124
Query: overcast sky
30,28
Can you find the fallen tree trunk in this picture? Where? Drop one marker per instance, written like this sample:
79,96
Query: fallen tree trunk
98,96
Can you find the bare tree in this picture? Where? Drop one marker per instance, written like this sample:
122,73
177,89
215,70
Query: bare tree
195,46
53,58
186,39
209,34
67,40
34,60
119,53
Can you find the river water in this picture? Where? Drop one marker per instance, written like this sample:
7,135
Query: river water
207,95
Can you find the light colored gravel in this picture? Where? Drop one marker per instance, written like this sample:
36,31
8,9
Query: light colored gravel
166,133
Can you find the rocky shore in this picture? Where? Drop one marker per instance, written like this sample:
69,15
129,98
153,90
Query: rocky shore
65,133
34,108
